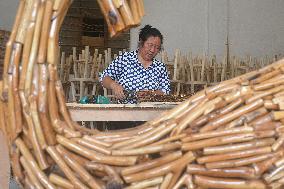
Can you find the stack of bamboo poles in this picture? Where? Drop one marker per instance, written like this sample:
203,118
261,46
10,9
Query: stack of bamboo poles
227,136
190,74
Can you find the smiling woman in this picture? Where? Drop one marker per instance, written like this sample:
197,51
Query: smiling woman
138,70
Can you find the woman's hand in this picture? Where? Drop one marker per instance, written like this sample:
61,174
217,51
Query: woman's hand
117,90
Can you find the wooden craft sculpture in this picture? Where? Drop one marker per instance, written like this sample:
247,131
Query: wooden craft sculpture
226,136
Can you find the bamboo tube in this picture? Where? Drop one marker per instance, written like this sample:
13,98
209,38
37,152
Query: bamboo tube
239,162
228,117
126,14
83,161
36,170
146,183
169,139
64,167
265,93
15,165
17,50
63,108
211,182
45,31
135,11
237,147
263,119
178,164
30,173
151,164
211,134
132,143
263,166
48,131
166,181
37,125
234,155
140,4
92,146
186,180
34,49
239,172
265,77
12,121
148,149
32,133
80,170
218,141
112,16
28,184
111,160
269,105
278,143
9,44
60,181
248,117
95,141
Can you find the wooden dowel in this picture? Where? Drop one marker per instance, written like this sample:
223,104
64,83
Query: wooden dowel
151,163
92,146
60,181
211,182
234,155
65,168
30,173
239,162
80,170
166,181
237,147
211,134
231,116
162,170
36,170
111,160
239,172
146,183
218,141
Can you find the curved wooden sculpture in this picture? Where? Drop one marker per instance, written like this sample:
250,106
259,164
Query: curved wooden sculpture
226,136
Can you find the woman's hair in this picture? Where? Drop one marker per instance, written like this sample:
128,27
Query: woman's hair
148,31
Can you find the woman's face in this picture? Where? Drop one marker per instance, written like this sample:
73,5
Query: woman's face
150,48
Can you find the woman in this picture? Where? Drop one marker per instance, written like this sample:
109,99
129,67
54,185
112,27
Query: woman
138,70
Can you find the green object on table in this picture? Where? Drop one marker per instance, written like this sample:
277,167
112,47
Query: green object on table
84,100
102,100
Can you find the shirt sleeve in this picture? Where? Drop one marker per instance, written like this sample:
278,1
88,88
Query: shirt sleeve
164,80
114,69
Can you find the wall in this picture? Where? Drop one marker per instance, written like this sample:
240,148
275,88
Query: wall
8,9
254,27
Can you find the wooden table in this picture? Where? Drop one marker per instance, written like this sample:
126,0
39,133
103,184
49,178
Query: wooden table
118,112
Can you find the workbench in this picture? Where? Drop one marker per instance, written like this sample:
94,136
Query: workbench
118,112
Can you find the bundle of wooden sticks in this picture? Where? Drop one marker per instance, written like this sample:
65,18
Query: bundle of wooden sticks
227,136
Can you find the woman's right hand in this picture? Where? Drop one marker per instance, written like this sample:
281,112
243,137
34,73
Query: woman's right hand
117,90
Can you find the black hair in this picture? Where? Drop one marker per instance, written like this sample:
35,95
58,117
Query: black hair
148,31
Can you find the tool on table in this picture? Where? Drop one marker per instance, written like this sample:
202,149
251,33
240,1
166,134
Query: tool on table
129,95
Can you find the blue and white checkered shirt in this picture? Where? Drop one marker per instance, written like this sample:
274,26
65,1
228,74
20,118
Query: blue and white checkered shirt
126,70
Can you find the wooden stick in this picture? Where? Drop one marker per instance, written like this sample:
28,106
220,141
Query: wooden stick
80,170
151,164
60,181
237,147
111,160
162,170
211,182
64,167
30,173
36,170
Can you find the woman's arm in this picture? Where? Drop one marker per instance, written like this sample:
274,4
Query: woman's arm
116,88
